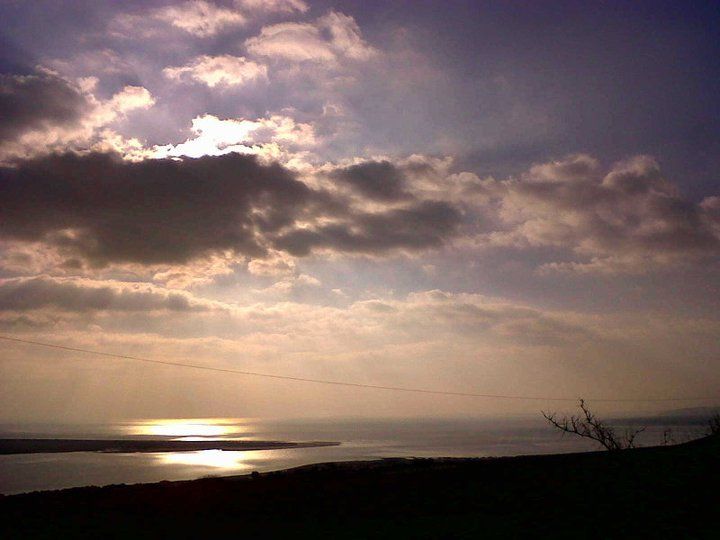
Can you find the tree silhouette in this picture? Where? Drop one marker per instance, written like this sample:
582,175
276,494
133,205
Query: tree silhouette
591,427
714,424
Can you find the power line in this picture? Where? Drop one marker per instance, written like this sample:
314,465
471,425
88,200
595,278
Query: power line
338,383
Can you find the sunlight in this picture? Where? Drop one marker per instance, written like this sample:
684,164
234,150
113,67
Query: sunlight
217,459
189,428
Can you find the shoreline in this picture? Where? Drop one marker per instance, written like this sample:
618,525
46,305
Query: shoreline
651,492
130,446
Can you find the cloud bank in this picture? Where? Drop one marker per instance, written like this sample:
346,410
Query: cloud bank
108,210
161,211
629,218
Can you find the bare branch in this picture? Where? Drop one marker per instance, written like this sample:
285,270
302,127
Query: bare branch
714,424
589,426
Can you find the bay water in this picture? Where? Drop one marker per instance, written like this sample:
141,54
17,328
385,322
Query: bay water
360,439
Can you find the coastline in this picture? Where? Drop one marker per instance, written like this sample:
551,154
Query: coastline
45,446
659,492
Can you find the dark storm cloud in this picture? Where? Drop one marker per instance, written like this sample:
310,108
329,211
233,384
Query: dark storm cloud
170,211
37,101
155,211
379,180
425,225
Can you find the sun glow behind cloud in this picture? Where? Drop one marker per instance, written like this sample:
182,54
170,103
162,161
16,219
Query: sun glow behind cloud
190,429
350,192
271,138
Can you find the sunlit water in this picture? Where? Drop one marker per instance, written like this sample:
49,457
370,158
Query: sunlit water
360,440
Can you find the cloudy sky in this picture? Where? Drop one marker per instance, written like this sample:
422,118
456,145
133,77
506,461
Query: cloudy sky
486,197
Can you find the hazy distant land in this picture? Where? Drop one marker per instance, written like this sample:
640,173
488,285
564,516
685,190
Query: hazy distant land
37,446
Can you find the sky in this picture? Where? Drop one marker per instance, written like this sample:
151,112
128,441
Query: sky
484,197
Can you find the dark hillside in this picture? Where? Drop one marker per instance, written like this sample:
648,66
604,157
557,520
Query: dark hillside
661,492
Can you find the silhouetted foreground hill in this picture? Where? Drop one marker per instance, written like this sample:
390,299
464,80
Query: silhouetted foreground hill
663,492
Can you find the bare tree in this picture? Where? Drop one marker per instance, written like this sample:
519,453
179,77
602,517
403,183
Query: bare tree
714,424
589,426
668,437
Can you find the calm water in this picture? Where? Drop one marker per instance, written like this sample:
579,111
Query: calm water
361,440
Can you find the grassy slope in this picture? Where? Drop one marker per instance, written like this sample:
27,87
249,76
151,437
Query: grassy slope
667,492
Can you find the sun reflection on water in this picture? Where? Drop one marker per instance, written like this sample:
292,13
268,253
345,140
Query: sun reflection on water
206,429
217,459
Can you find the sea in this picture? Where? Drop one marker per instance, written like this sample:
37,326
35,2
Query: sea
360,439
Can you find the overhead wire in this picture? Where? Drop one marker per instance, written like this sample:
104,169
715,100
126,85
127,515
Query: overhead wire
342,383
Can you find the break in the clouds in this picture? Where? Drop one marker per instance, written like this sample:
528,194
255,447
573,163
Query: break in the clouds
454,195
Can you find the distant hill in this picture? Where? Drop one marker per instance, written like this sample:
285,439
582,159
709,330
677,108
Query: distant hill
695,416
693,411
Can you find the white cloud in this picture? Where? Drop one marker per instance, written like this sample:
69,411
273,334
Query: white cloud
199,17
291,285
345,36
272,6
279,264
128,99
328,40
291,41
130,148
225,70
